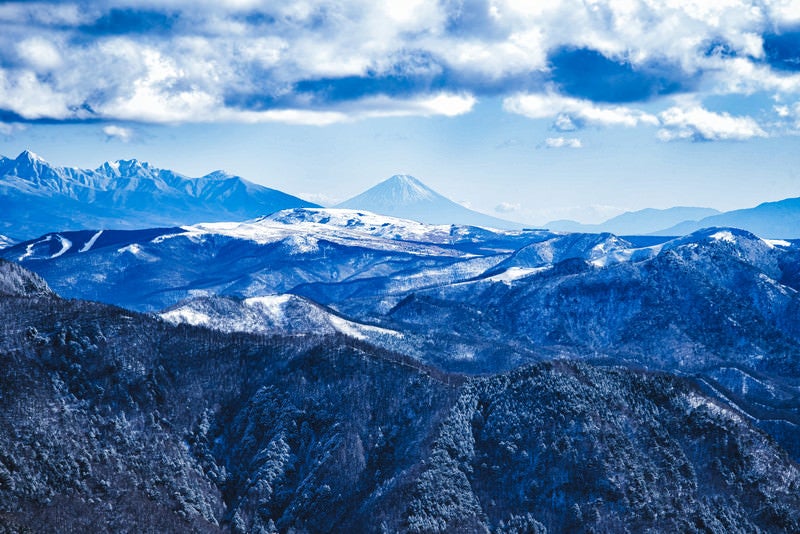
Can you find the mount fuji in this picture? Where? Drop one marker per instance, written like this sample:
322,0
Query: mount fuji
38,197
405,197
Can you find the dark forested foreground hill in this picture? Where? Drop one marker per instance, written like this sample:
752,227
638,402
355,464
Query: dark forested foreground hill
115,421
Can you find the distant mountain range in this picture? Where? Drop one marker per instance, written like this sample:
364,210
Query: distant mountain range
641,222
780,220
406,197
38,197
772,220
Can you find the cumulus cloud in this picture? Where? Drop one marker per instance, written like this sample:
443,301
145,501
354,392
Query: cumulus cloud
698,124
562,142
39,53
568,112
325,61
118,133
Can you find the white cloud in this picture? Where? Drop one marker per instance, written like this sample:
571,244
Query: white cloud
782,111
10,128
743,76
567,111
40,53
26,94
788,120
562,142
216,65
118,132
507,207
696,123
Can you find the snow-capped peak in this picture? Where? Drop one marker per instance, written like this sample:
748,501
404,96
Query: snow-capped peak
406,197
132,164
219,175
125,167
398,192
405,189
27,155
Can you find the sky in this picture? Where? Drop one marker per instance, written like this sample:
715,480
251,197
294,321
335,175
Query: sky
526,110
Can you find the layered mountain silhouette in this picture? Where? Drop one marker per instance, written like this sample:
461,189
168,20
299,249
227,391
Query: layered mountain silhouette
640,222
38,197
778,220
406,197
772,220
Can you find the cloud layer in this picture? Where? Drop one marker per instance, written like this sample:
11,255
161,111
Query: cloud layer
579,63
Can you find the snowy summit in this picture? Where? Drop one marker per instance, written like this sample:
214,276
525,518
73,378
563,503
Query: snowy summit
406,197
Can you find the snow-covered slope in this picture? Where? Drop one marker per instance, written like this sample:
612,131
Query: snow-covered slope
6,241
18,282
466,298
348,249
406,197
38,197
272,314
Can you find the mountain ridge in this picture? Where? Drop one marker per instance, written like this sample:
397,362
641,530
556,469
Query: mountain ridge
406,197
124,194
778,219
638,222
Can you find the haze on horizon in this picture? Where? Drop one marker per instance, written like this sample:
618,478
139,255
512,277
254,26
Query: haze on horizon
525,111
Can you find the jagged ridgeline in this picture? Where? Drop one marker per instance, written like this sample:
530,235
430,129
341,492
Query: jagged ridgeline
38,197
120,422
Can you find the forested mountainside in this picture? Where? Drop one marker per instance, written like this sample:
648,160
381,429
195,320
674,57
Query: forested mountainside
720,304
118,421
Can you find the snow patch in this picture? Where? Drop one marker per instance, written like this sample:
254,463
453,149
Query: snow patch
301,244
515,273
29,248
134,249
358,331
772,243
723,235
6,242
66,244
187,315
89,244
346,327
268,301
696,401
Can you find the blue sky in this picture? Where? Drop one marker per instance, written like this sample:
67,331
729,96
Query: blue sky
527,110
